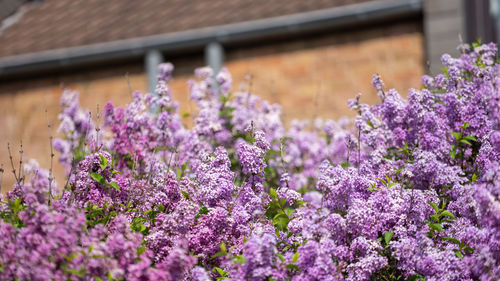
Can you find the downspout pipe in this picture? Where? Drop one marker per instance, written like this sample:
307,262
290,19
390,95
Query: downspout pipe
214,56
152,59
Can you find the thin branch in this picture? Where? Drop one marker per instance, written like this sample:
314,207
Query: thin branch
316,104
170,159
20,175
359,150
69,175
12,165
73,164
51,138
97,129
128,83
348,152
85,144
135,159
1,177
282,154
250,82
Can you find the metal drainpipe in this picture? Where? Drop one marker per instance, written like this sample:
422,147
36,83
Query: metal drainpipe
152,60
495,13
214,56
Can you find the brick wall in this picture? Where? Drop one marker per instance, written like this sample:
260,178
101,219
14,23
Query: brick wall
23,105
328,69
316,77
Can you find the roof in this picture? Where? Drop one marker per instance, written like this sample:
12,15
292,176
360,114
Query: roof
59,24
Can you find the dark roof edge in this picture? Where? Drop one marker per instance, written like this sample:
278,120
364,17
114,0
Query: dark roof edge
338,17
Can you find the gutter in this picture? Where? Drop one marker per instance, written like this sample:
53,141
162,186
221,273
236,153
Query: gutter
321,20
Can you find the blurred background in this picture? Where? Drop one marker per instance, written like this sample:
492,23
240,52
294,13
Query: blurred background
310,56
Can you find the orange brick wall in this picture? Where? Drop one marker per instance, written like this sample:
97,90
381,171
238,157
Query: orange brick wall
23,105
328,69
316,77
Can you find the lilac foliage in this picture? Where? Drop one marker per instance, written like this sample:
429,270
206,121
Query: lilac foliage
408,190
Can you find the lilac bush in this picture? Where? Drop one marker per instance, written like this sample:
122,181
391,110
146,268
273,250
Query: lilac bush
407,190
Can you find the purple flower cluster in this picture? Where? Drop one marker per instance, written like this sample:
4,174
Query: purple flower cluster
408,190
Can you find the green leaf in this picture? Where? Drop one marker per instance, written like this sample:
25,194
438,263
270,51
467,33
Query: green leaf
468,250
474,177
272,193
416,277
75,272
141,250
98,178
434,206
292,267
115,185
220,271
456,135
223,247
280,216
281,257
453,154
161,208
218,254
295,257
185,194
458,253
465,125
282,202
452,240
447,213
71,257
471,138
465,141
387,237
436,226
240,259
382,181
104,162
202,211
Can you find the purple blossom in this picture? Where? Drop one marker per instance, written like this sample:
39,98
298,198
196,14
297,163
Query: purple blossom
411,190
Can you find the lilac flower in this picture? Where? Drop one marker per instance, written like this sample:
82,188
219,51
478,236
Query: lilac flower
410,191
